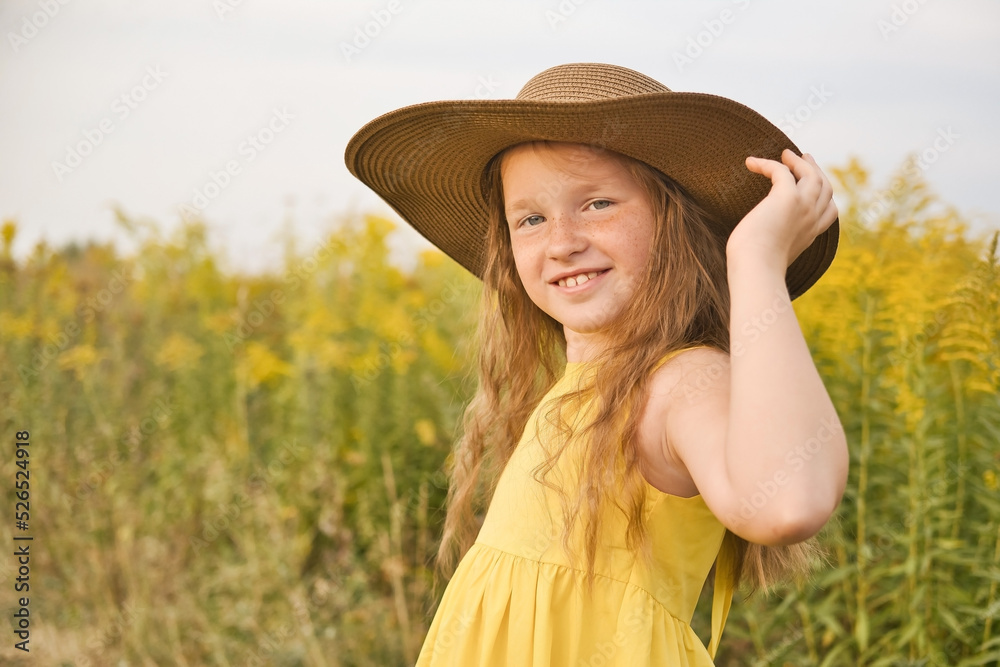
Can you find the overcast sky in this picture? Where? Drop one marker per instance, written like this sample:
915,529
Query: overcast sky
139,103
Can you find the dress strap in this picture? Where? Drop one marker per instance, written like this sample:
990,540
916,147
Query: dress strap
722,596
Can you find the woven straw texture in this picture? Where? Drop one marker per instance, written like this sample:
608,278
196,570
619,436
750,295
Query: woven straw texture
427,160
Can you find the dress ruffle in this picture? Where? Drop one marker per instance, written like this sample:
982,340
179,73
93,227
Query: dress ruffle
504,609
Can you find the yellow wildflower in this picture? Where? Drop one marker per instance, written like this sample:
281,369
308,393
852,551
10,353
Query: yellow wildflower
78,359
178,351
432,259
15,327
426,432
263,365
990,480
220,323
332,355
8,232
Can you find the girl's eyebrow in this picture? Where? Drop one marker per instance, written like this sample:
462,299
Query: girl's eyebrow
583,186
522,204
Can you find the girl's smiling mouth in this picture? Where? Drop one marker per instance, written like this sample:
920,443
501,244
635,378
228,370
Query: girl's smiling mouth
578,278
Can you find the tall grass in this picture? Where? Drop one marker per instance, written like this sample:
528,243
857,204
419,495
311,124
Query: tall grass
242,470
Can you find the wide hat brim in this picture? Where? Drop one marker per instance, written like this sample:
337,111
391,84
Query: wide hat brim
427,160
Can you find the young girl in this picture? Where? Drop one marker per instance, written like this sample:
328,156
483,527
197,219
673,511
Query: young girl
647,406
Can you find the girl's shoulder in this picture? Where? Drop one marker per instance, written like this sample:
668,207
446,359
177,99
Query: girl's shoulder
683,377
688,368
687,377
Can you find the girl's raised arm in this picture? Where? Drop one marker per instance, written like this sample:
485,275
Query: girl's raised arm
756,430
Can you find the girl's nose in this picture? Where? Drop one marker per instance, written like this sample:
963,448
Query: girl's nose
565,237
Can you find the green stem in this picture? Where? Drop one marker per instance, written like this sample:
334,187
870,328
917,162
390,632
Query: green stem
956,384
807,631
916,482
395,556
861,622
987,628
923,564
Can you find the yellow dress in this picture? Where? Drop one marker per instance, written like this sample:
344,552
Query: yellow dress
515,599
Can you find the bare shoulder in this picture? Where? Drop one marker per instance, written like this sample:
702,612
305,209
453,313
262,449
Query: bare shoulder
690,444
686,406
690,375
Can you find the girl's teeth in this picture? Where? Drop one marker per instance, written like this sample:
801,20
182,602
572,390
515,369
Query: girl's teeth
577,280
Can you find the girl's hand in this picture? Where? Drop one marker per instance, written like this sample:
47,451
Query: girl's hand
798,208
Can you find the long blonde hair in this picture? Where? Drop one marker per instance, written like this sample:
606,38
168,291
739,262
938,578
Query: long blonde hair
681,301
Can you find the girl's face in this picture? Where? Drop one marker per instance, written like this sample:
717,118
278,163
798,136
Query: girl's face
581,229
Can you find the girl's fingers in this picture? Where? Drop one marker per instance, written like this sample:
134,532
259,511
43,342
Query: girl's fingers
804,171
827,186
810,177
776,171
802,167
830,213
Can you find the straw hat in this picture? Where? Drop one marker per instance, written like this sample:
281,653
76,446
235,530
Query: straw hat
427,160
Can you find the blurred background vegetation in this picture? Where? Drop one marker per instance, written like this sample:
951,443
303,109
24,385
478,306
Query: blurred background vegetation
249,470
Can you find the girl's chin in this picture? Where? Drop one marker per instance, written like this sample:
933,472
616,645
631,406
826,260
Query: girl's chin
589,318
585,327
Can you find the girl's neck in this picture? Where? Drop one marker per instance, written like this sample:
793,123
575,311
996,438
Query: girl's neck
582,347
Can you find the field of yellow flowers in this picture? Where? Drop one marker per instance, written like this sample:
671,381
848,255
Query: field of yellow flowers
238,469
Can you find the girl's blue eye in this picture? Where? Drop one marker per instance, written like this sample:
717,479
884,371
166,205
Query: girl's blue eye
601,204
528,220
